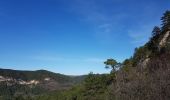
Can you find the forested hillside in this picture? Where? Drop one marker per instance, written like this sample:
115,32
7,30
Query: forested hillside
27,84
143,76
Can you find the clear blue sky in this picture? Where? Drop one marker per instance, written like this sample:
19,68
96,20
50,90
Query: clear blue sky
74,36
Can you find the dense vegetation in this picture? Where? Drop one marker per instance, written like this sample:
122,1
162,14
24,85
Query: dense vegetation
144,76
11,88
34,75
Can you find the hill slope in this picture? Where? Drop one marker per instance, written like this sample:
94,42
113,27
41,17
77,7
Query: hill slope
15,82
144,76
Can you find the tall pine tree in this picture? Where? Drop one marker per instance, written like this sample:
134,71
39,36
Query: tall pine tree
166,21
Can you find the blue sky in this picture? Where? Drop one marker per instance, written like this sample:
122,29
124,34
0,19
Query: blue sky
74,36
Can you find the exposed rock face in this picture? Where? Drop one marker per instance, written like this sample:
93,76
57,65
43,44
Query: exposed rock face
32,82
47,79
18,81
164,39
145,62
47,83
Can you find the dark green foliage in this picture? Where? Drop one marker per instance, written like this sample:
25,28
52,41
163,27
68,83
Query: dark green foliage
94,87
95,84
113,64
34,75
11,89
16,90
127,64
153,44
140,54
156,31
166,21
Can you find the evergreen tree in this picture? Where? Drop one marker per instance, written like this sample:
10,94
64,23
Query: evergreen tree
156,31
166,21
113,64
153,43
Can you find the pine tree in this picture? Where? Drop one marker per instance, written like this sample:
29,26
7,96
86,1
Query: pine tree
166,21
153,43
156,31
113,64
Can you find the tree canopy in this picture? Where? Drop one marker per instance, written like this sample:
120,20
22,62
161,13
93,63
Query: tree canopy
166,20
112,63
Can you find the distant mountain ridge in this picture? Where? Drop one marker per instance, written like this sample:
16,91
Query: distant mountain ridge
29,75
17,81
40,75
